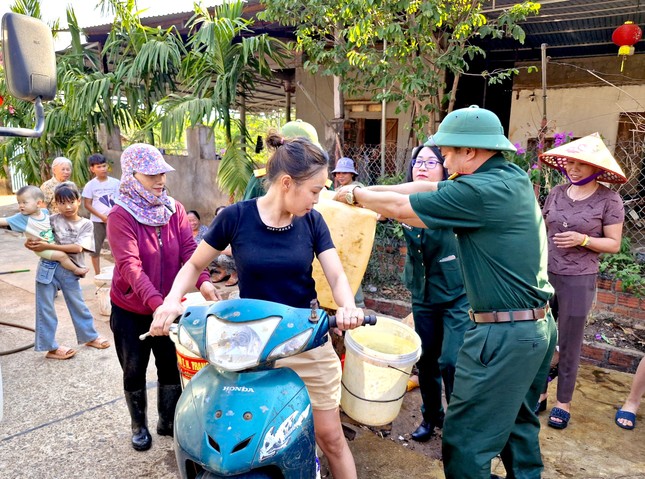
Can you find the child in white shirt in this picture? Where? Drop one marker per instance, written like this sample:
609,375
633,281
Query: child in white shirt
98,199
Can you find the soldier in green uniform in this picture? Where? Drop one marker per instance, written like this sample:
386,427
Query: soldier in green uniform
506,355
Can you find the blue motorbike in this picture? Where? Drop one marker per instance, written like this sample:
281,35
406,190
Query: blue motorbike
239,417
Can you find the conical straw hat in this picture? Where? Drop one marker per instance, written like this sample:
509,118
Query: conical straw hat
590,150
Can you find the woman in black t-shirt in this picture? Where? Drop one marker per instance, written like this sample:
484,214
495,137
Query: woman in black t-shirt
274,239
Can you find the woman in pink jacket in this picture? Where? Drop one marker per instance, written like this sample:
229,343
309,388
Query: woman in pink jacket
150,239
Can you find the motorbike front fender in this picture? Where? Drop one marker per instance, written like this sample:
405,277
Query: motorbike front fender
232,423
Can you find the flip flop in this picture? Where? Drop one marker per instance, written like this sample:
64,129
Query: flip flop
99,343
561,414
61,353
629,416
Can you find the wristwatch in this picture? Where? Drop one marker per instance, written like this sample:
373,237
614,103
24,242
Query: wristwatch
349,196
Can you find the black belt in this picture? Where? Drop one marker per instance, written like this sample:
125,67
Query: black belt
508,316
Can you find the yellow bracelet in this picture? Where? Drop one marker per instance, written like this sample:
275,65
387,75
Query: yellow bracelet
585,241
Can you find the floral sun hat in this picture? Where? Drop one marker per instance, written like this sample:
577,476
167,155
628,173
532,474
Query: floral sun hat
145,207
589,150
145,159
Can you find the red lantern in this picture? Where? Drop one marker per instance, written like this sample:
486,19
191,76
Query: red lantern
626,36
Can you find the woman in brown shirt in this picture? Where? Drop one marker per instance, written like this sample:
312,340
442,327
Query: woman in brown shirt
583,219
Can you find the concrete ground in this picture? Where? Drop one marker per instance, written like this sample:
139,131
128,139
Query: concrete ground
69,419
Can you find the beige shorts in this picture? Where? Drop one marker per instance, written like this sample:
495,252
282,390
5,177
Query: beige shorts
320,370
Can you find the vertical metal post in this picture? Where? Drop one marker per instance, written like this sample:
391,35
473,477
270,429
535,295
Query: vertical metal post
243,120
542,133
287,88
383,122
544,62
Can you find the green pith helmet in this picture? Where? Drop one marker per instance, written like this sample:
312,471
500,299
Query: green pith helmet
472,127
298,129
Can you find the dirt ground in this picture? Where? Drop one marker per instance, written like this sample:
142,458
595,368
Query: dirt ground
608,328
405,423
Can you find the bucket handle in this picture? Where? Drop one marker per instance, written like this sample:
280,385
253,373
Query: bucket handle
372,400
399,370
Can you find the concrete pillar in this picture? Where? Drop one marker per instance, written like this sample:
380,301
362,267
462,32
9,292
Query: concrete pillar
109,141
200,142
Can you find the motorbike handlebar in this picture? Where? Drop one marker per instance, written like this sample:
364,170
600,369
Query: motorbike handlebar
368,319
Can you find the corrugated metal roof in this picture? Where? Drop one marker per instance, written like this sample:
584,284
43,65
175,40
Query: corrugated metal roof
569,28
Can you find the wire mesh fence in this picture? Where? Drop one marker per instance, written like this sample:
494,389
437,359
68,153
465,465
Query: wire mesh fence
372,168
631,154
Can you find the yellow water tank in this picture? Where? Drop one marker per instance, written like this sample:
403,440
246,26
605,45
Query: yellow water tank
352,230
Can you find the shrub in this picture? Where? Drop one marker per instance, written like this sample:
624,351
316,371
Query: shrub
625,267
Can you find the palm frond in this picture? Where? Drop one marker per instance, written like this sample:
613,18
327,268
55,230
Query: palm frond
235,169
178,110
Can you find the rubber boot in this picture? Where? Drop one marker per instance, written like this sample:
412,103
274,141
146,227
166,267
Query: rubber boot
167,397
137,402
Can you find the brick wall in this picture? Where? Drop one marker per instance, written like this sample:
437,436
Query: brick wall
612,297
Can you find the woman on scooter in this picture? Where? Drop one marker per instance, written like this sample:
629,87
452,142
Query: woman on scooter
291,233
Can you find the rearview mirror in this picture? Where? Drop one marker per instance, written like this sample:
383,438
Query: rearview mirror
29,65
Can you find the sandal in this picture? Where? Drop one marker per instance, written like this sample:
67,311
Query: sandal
626,416
232,281
219,277
61,353
99,343
562,415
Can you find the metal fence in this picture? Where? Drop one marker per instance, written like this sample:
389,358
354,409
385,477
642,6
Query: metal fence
631,156
371,167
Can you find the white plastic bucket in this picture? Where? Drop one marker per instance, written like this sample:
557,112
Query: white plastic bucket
105,307
378,362
103,281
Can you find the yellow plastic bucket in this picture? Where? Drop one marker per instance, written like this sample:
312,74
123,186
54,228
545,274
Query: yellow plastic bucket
187,362
378,362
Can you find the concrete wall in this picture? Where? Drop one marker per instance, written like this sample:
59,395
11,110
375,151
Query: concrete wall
193,183
578,100
581,110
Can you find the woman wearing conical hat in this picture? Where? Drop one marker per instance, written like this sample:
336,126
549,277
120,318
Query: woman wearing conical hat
583,218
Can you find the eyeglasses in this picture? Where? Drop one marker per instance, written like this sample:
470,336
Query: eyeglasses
429,164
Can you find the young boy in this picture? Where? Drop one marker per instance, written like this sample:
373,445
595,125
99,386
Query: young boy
33,220
98,199
73,235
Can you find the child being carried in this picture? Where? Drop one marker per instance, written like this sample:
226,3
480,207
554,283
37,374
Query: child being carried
33,221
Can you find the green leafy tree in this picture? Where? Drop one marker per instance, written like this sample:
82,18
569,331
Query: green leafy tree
224,59
427,43
65,134
146,63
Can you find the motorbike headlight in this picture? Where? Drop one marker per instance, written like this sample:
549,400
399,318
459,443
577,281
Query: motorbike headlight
291,347
234,346
187,341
